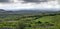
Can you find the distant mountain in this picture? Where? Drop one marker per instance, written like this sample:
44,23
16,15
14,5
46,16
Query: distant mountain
2,11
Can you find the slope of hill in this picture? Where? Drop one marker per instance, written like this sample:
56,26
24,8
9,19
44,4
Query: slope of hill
14,19
30,22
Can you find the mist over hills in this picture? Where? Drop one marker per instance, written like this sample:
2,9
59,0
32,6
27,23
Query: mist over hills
31,11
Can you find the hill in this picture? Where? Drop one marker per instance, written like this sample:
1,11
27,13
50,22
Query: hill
36,11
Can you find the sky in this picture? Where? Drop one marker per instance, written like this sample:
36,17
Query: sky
29,4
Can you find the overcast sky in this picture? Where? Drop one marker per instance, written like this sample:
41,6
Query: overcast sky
29,4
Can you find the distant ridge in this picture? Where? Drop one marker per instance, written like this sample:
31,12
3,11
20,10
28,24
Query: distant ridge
2,10
31,11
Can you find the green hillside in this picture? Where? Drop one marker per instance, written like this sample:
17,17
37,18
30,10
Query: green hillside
17,21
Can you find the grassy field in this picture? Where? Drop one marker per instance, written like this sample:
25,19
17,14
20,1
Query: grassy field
17,21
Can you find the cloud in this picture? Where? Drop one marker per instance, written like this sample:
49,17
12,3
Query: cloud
50,4
2,1
17,4
35,1
24,1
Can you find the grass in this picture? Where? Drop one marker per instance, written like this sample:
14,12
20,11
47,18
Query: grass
30,21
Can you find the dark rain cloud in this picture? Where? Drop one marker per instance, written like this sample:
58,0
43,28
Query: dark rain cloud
4,1
34,1
25,1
